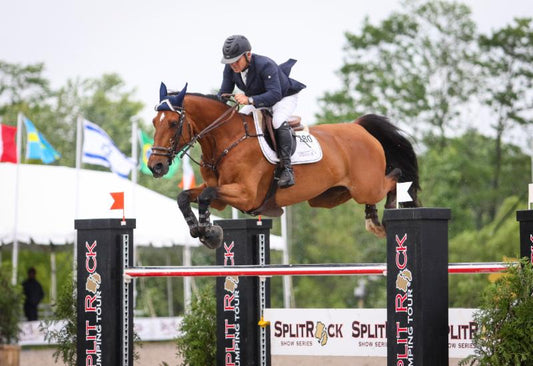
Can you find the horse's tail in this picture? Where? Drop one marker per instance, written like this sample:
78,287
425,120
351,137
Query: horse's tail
399,152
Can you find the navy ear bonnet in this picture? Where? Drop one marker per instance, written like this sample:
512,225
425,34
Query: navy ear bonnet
172,101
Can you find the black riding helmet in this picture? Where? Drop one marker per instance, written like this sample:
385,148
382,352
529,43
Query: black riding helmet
234,47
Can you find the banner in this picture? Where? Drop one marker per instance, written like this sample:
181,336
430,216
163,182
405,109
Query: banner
352,332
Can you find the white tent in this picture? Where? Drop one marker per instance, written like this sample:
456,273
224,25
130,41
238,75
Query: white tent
49,199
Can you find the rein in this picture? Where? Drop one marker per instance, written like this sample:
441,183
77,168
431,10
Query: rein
213,165
215,124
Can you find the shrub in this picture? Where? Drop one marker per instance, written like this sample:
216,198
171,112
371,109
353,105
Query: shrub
10,309
65,338
505,320
198,342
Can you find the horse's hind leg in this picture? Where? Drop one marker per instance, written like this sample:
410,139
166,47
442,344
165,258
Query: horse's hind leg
394,175
391,200
372,223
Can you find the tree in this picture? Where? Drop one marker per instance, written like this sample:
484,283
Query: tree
105,101
21,84
23,89
334,235
414,66
108,104
494,242
459,176
507,61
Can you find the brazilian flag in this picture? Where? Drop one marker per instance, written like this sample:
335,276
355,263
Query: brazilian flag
146,150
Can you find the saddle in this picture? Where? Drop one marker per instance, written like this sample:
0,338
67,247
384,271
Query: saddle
295,123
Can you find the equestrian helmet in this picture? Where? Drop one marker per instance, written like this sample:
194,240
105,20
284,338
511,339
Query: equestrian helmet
234,47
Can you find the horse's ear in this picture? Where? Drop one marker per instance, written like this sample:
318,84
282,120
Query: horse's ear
162,91
178,99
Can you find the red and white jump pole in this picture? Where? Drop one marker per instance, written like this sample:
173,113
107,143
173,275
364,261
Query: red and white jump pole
355,269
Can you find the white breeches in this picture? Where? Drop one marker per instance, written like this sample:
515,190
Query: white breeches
281,111
284,109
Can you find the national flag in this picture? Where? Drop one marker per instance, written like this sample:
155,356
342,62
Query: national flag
146,150
8,144
99,149
187,180
37,147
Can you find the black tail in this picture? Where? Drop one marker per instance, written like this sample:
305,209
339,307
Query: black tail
399,152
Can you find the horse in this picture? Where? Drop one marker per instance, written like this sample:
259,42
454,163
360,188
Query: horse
362,160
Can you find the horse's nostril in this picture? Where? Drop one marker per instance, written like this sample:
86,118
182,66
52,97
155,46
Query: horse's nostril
156,169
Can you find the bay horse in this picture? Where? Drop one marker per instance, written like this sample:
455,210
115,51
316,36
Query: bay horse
362,160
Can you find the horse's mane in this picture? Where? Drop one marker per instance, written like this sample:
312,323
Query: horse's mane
208,96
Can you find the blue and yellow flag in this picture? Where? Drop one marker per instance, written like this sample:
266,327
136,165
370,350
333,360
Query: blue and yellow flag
37,147
146,150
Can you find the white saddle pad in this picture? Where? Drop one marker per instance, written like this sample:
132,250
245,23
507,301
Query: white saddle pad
308,149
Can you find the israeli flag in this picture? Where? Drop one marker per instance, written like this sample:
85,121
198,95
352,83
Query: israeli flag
99,149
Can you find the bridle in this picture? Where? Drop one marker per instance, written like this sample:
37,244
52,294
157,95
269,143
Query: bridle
172,151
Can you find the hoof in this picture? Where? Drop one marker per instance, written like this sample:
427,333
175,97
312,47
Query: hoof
195,231
212,237
377,230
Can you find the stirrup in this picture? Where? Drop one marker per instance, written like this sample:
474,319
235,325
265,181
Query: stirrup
288,180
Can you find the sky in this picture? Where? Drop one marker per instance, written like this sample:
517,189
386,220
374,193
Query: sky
178,41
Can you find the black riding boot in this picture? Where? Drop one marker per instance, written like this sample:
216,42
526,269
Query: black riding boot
284,141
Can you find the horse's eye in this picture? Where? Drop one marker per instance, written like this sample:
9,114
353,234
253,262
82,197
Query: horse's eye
173,124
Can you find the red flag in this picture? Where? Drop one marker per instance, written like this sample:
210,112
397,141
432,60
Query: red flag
118,203
8,145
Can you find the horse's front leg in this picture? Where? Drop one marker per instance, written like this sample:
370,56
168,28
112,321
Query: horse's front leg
184,203
210,235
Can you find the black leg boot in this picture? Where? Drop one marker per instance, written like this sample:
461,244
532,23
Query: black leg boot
284,141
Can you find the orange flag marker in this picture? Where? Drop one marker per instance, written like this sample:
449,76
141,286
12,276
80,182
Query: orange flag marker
118,203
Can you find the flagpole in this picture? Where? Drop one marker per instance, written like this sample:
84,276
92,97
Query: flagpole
134,150
135,158
287,283
187,284
187,261
15,252
79,129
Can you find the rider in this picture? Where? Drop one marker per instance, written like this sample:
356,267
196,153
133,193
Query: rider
265,84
